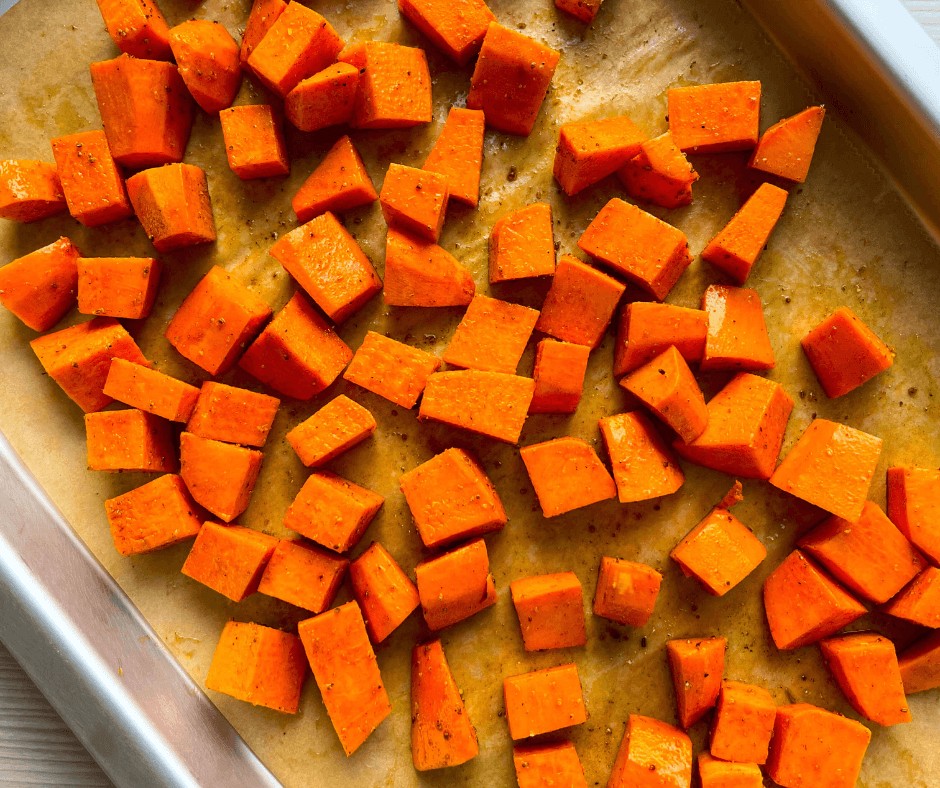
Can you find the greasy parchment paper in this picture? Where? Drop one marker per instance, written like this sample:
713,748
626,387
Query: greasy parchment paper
846,238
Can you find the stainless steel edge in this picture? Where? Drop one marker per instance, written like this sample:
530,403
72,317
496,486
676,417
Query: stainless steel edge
98,662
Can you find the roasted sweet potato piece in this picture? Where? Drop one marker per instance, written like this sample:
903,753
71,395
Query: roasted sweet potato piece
697,665
567,474
220,477
652,753
156,515
30,190
715,118
543,701
254,143
173,205
457,154
118,286
137,27
339,183
328,98
590,150
522,244
384,592
229,559
91,181
394,85
421,273
786,148
129,440
456,27
550,609
40,287
208,61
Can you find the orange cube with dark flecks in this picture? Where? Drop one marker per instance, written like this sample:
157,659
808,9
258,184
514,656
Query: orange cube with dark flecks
456,27
919,602
522,244
559,376
156,515
646,329
118,286
567,474
303,575
652,753
660,173
264,13
786,148
590,150
744,723
137,27
231,414
254,143
229,559
626,591
548,764
643,465
172,203
737,334
697,665
150,391
920,664
208,61
421,273
129,440
30,190
543,701
339,183
91,181
328,98
550,610
715,118
394,85
414,201
384,592
491,336
914,507
715,773
457,154
391,369
40,287
335,428
219,476
455,585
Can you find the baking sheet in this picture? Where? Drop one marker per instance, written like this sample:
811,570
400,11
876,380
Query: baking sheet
845,238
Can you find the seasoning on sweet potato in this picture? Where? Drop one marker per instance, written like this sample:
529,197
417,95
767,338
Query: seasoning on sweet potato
457,154
441,732
298,44
79,358
746,424
334,429
814,748
510,79
637,245
219,476
590,150
173,205
391,369
129,440
150,391
744,723
455,585
156,515
714,773
91,181
652,754
550,610
919,602
567,474
522,244
229,559
264,13
583,10
137,27
643,465
626,591
487,403
118,286
845,353
541,765
384,592
328,98
659,173
332,511
543,701
297,354
831,466
339,183
715,118
254,144
208,61
30,190
697,666
146,110
865,667
421,273
492,335
786,148
234,415
737,336
920,665
303,575
804,605
394,85
414,201
40,287
451,498
559,376
913,506
646,329
216,322
259,665
456,27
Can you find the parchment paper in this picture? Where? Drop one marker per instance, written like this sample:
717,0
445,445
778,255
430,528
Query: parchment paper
845,238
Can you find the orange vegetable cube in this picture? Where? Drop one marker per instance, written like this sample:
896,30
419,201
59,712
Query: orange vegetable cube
559,376
303,575
421,273
522,244
550,610
414,201
216,322
40,287
129,440
137,27
332,511
264,13
229,559
394,85
391,369
540,765
91,181
647,329
715,118
626,591
920,665
824,606
328,98
455,585
637,245
219,476
510,79
744,723
583,10
652,754
208,61
234,415
543,701
172,203
914,507
339,183
384,592
659,173
254,143
786,148
492,335
259,665
456,27
297,354
335,428
150,391
30,190
590,150
919,602
567,475
697,665
451,498
713,773
78,358
643,465
118,286
157,515
737,334
458,153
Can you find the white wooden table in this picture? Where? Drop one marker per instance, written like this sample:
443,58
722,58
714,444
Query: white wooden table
36,747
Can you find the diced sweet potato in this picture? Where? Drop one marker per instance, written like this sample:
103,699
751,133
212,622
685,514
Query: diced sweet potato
559,376
156,515
566,474
522,244
229,559
643,465
394,85
384,592
455,585
414,201
118,286
715,118
208,61
456,27
543,701
744,723
421,273
129,440
550,610
660,173
40,287
303,575
30,190
919,602
737,336
150,391
626,591
458,153
920,665
914,507
137,27
335,428
254,143
697,665
339,183
492,335
91,181
714,773
328,98
391,369
234,415
264,13
219,476
786,148
646,329
652,753
590,150
539,765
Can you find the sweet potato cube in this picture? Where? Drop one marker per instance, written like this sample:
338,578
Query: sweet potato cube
550,610
543,701
510,79
522,244
339,183
297,354
208,61
384,592
567,474
457,154
414,201
559,376
491,336
813,747
744,723
172,203
486,403
643,465
217,321
158,514
78,358
865,666
421,273
456,28
455,585
539,765
118,286
219,476
328,98
298,44
746,424
659,173
129,440
697,665
786,148
150,391
831,466
451,498
91,182
264,13
626,591
40,287
637,245
137,27
736,248
647,329
259,665
391,369
234,415
715,118
229,559
824,606
652,753
394,85
714,773
332,511
30,190
590,150
335,428
914,507
254,143
737,336
919,602
920,665
303,575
